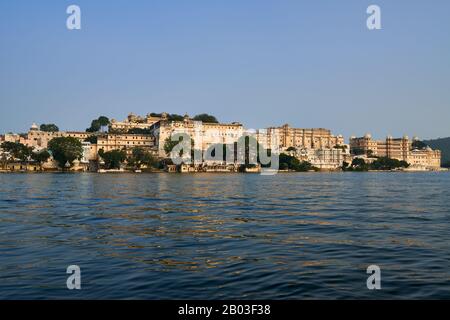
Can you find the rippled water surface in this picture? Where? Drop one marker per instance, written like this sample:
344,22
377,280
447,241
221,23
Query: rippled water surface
235,236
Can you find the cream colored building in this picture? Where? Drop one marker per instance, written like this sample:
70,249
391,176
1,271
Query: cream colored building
14,137
39,139
133,122
204,134
397,148
287,136
127,142
324,158
427,159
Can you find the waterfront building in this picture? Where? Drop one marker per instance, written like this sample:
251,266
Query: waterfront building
323,158
426,159
39,139
204,134
397,148
127,142
288,137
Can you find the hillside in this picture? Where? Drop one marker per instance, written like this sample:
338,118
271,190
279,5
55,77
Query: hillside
442,144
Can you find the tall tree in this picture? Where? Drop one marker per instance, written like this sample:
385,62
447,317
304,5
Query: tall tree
169,145
96,124
17,150
65,150
113,159
49,127
141,157
417,144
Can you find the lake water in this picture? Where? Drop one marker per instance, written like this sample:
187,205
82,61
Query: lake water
225,236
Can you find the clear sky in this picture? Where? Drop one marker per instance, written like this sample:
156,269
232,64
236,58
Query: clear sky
264,63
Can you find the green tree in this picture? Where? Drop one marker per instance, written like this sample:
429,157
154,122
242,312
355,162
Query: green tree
49,127
417,144
358,151
141,157
345,165
92,139
138,131
204,117
292,163
65,150
113,159
385,163
358,164
17,150
4,159
41,157
169,145
175,117
446,164
98,123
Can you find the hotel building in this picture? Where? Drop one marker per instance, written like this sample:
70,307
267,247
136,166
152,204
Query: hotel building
397,148
126,142
204,134
288,137
132,122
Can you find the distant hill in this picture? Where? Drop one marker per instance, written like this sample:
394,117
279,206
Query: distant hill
442,144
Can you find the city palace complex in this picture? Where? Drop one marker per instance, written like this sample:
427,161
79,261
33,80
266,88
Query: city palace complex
322,149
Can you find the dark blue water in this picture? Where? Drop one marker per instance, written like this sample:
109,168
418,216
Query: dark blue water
231,236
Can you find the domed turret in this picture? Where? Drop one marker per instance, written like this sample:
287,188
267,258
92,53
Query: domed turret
34,127
368,136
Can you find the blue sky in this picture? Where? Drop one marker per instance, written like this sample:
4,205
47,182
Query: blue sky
307,63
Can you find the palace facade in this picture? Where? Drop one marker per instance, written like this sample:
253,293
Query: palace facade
319,146
397,148
288,137
126,142
133,122
204,134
